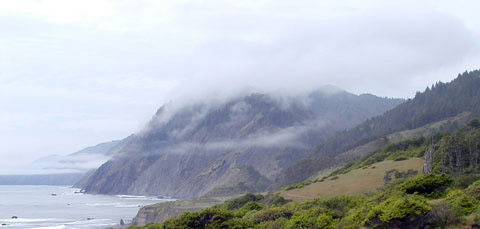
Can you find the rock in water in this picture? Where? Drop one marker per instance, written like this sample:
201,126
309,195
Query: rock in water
121,222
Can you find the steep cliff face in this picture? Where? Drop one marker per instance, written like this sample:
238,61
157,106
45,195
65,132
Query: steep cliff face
195,149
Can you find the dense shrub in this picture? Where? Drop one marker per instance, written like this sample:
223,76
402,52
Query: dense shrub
430,185
301,221
248,216
464,202
474,190
356,217
325,221
148,226
272,214
275,224
399,208
463,181
273,199
444,215
250,206
279,201
240,201
400,158
207,218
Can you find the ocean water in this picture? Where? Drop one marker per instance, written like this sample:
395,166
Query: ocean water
36,207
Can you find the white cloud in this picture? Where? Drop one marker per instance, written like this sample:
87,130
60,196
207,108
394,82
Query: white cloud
75,73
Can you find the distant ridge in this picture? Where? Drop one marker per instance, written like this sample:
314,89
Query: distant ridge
81,161
78,166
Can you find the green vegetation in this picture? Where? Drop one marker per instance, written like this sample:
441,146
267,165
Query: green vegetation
455,153
449,196
405,207
300,185
403,203
428,185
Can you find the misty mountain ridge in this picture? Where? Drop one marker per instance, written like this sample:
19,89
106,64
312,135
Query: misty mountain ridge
81,161
190,150
71,169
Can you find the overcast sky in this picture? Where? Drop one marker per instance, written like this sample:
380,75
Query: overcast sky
77,73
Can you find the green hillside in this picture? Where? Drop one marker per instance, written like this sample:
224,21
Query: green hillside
447,197
427,200
441,107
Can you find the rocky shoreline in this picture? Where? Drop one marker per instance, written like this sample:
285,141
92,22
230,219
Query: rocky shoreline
160,212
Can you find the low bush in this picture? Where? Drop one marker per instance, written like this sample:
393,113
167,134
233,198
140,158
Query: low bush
465,203
463,181
301,221
207,218
326,221
400,158
272,214
275,224
474,190
240,201
444,215
398,208
431,185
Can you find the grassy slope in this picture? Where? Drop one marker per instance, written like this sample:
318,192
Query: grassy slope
354,182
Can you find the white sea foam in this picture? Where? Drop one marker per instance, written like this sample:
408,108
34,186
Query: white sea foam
28,220
132,197
52,227
88,222
128,206
103,204
143,197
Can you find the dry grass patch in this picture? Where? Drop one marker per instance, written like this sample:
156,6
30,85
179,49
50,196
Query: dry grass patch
357,181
